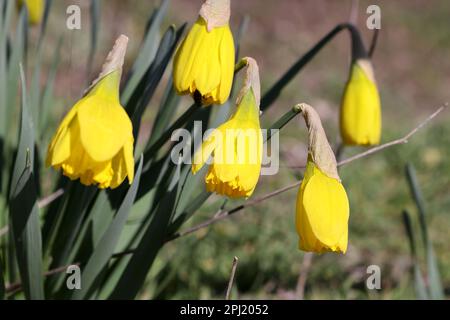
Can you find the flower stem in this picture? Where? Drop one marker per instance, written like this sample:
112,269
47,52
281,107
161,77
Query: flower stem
276,89
288,116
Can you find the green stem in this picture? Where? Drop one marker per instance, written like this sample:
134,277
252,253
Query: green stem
358,51
284,120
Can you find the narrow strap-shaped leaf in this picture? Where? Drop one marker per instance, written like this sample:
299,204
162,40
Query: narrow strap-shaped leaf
47,95
75,213
146,53
107,244
434,276
142,259
435,284
24,210
166,112
224,112
94,27
144,92
272,94
419,283
17,55
44,22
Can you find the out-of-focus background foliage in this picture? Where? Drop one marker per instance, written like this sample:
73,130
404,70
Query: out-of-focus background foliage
412,68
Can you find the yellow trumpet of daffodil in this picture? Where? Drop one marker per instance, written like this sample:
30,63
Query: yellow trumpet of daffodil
236,146
204,63
94,142
361,111
35,9
360,117
322,205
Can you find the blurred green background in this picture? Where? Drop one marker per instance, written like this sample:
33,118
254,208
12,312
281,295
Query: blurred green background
412,67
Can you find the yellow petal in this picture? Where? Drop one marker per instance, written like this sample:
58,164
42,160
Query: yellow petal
58,155
206,71
201,155
227,62
104,124
360,118
35,9
186,57
205,62
322,213
237,153
129,158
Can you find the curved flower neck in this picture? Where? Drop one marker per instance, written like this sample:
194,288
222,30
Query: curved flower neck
251,82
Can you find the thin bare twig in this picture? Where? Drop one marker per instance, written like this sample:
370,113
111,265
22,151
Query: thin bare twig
394,142
42,203
231,281
226,213
49,199
13,288
306,265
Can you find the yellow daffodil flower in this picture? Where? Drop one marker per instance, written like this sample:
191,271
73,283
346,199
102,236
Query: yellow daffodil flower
35,9
94,142
204,63
322,204
236,146
360,118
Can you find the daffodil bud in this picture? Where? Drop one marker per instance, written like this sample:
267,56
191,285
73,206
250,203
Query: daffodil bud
35,9
236,146
360,117
204,62
322,205
94,142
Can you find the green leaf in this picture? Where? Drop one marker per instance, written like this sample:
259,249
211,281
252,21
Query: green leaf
24,209
144,92
419,283
187,117
223,113
2,281
105,249
64,244
3,97
434,277
47,96
17,55
146,53
143,257
7,10
166,112
44,22
272,94
95,26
